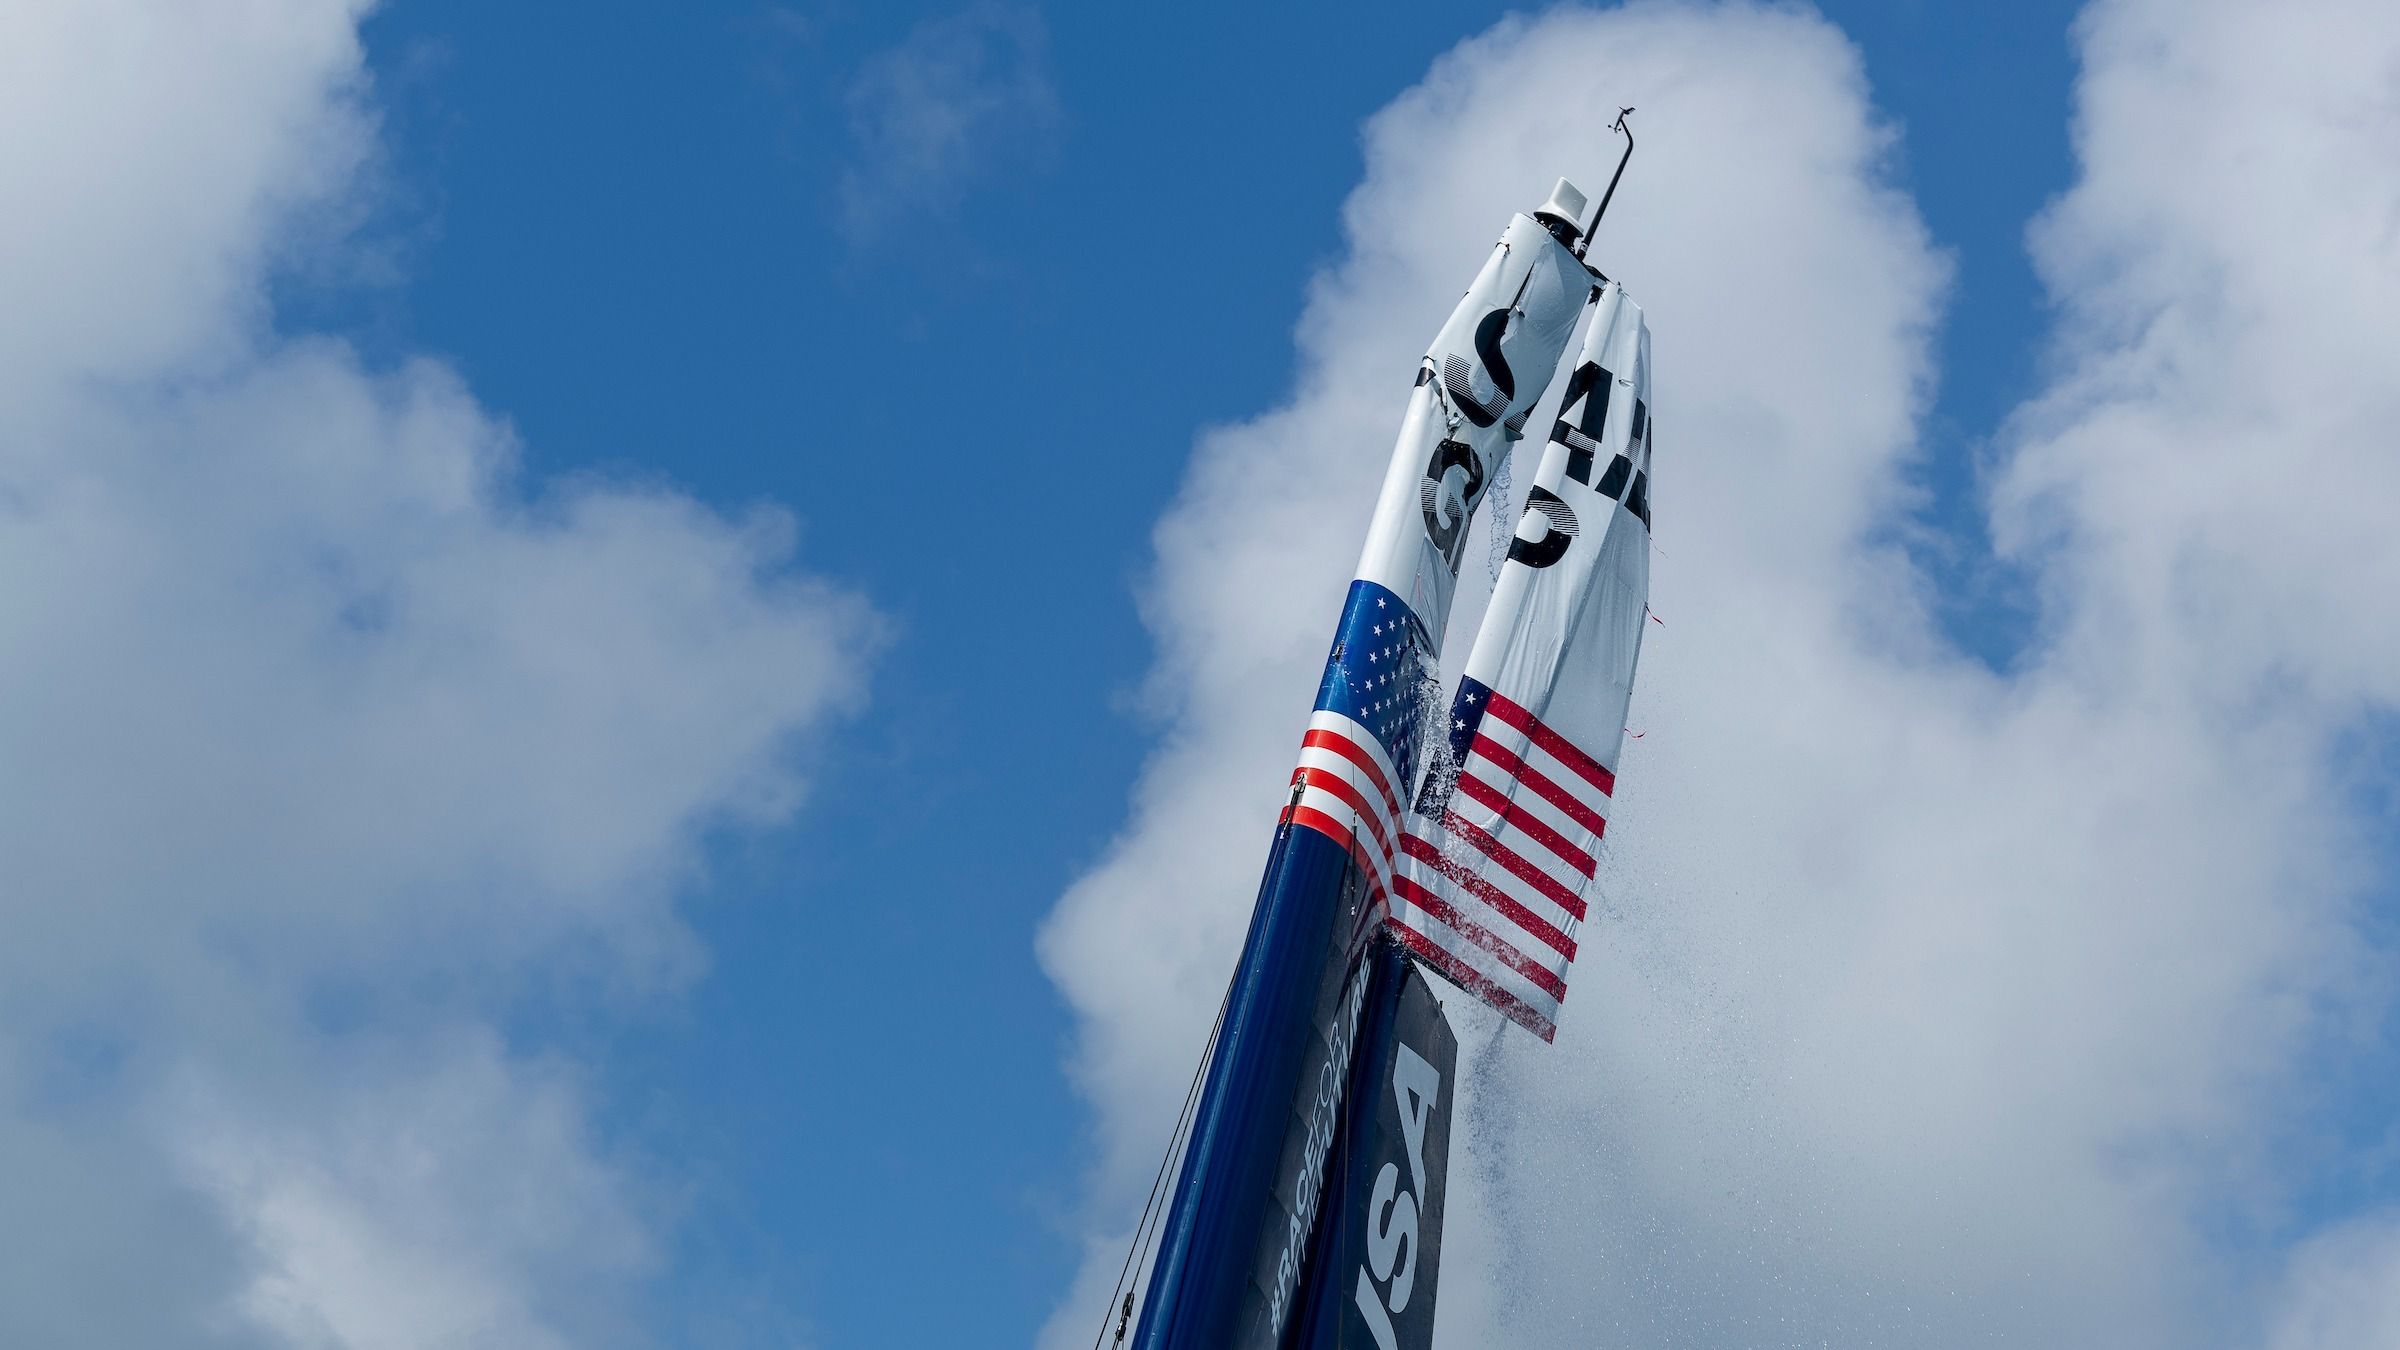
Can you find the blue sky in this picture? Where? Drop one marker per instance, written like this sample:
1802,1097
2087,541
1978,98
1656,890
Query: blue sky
636,572
624,225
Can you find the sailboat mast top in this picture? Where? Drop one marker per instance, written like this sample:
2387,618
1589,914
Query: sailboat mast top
1620,125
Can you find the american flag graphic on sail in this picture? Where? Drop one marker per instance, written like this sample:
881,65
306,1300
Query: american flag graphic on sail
1489,870
1497,861
1487,873
1370,707
1491,890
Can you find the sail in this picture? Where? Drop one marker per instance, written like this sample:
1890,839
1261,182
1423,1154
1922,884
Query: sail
1499,853
1235,1240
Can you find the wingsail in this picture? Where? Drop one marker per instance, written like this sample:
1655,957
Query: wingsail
1306,1213
1498,850
1235,1236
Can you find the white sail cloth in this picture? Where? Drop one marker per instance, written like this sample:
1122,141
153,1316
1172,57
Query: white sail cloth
1497,858
1479,381
1476,385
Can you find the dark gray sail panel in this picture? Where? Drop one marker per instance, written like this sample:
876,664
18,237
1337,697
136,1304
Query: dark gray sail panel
1310,1134
1399,1179
1373,1275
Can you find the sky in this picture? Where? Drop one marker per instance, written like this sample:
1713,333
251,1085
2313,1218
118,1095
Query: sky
650,648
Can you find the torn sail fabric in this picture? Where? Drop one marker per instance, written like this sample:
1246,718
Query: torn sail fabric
1245,1200
1499,855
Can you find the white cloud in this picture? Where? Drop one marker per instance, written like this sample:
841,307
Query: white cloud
2343,1291
1927,1005
454,1201
964,99
328,741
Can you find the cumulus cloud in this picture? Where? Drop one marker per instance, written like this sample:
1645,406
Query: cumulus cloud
329,741
963,99
2343,1290
455,1199
1925,1004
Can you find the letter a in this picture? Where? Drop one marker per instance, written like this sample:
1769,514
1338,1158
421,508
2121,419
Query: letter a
1416,1085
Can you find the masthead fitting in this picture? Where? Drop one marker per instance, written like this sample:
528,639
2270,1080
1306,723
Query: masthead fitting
1565,207
1605,197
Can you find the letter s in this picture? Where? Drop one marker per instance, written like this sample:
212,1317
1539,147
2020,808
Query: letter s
1487,346
1392,1225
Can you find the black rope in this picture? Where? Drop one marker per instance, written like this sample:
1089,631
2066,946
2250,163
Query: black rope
1154,1214
1175,1150
1146,1230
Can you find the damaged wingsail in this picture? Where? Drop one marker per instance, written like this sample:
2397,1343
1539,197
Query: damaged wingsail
1499,852
1452,837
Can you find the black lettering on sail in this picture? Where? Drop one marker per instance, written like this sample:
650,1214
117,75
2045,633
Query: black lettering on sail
1487,345
1581,414
1458,376
1447,508
1373,1264
1390,1246
1552,546
1612,483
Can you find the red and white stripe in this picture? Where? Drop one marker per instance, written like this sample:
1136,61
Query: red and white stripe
1350,792
1492,893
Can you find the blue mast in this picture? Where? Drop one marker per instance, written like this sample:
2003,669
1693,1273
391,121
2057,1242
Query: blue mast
1287,1032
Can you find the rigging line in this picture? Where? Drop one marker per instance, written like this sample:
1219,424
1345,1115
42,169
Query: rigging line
1158,1222
1153,1213
1145,1229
